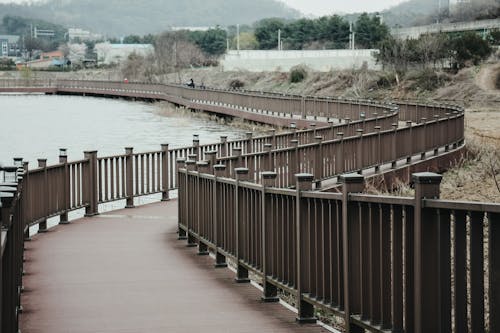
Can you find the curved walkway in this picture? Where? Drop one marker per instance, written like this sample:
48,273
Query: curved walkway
125,271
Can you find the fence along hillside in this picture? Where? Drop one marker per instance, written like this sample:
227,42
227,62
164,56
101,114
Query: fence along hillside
380,262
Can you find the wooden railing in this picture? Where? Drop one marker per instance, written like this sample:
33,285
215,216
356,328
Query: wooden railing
382,263
260,225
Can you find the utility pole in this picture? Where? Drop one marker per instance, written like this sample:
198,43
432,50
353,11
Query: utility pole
238,38
279,39
351,36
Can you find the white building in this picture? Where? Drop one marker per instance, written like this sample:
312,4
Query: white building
108,54
77,33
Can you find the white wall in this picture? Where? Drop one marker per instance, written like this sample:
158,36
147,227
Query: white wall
321,60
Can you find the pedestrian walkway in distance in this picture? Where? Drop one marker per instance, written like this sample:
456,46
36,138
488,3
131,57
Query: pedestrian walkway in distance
126,272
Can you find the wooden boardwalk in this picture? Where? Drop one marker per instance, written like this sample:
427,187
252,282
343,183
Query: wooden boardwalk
125,271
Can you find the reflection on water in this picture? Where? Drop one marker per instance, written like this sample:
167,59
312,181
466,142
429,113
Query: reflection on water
36,126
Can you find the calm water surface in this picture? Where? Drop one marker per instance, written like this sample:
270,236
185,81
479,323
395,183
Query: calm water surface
36,126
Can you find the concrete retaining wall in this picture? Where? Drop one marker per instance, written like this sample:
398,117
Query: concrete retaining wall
282,61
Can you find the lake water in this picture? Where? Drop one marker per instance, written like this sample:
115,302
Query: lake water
36,126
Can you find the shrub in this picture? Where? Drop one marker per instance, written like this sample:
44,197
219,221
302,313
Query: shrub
236,84
428,79
297,74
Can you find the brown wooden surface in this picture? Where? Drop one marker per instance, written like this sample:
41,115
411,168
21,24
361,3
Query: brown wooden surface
126,271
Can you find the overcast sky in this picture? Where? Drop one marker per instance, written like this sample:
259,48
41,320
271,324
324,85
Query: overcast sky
324,7
328,7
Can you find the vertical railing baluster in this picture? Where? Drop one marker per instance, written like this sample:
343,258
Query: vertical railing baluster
128,176
305,309
164,172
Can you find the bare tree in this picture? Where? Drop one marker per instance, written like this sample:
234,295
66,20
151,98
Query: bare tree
173,52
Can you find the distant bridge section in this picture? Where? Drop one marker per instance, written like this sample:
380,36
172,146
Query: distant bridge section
484,26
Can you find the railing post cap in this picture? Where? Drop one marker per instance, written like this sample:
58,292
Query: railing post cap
180,160
426,178
39,160
202,163
192,156
10,168
190,162
312,124
249,134
269,145
304,177
377,128
164,145
237,149
220,167
318,137
211,152
351,178
269,175
95,151
241,171
340,134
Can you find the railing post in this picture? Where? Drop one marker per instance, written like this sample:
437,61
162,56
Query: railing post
427,299
270,292
129,177
294,167
29,205
63,159
447,146
303,107
196,146
394,146
379,149
434,135
249,136
212,160
164,173
339,156
6,262
423,138
202,168
237,157
190,166
42,163
351,183
305,309
223,146
359,159
494,270
92,208
269,156
220,259
318,161
410,141
180,163
241,271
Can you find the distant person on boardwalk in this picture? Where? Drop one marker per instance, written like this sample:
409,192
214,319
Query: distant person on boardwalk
191,83
125,80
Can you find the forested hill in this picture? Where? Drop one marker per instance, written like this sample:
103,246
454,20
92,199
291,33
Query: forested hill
124,17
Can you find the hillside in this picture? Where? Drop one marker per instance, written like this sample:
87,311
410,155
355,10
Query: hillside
124,17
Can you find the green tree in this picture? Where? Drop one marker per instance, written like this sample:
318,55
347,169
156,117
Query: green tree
132,39
212,42
469,47
300,33
247,41
266,32
333,31
370,31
